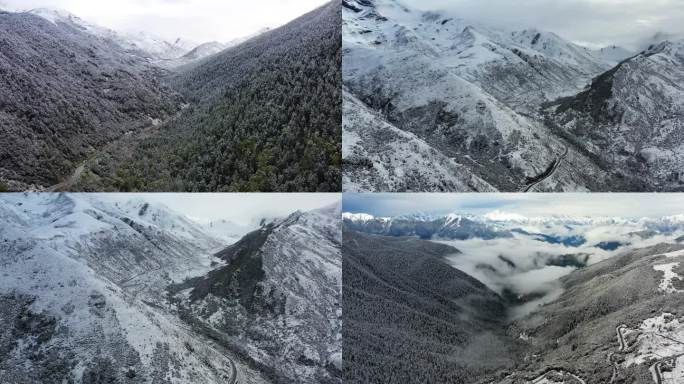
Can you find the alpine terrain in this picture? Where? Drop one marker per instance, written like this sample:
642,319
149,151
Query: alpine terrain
101,290
85,108
508,299
433,102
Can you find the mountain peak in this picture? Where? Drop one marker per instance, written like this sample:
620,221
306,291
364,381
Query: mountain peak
54,15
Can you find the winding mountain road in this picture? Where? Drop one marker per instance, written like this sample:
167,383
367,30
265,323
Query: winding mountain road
540,379
559,161
657,368
657,372
70,182
155,125
621,338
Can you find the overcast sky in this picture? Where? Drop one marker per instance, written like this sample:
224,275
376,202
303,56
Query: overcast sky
236,207
530,205
593,23
196,20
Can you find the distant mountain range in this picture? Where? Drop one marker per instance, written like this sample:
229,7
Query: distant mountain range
437,103
158,50
529,308
95,290
502,225
86,108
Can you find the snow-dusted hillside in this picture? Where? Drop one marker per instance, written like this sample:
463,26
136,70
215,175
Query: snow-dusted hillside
381,157
160,51
278,298
84,294
462,101
631,119
154,48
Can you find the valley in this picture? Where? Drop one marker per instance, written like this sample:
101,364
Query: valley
465,106
139,113
570,307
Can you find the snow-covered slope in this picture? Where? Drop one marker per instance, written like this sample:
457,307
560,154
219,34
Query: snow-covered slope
83,294
240,40
155,48
204,50
158,47
467,92
631,119
278,298
227,230
381,157
520,68
471,98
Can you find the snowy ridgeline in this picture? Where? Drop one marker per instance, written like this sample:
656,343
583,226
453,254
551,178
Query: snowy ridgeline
469,107
84,292
160,51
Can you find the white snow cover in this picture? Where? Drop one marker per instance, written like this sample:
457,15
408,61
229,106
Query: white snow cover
158,49
415,60
657,340
302,265
669,275
100,268
361,217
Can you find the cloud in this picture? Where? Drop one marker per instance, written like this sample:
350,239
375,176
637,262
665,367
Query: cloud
195,20
520,264
592,22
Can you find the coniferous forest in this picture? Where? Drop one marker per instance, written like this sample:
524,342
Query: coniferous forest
80,111
265,116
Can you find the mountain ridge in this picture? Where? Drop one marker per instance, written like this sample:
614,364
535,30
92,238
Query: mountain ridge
479,97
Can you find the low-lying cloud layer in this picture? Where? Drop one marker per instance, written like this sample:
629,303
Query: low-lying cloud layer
593,23
526,266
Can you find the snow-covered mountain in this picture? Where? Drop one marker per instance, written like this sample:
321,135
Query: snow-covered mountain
434,102
84,294
277,299
204,50
160,51
154,48
211,48
157,47
240,40
631,117
53,71
569,231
